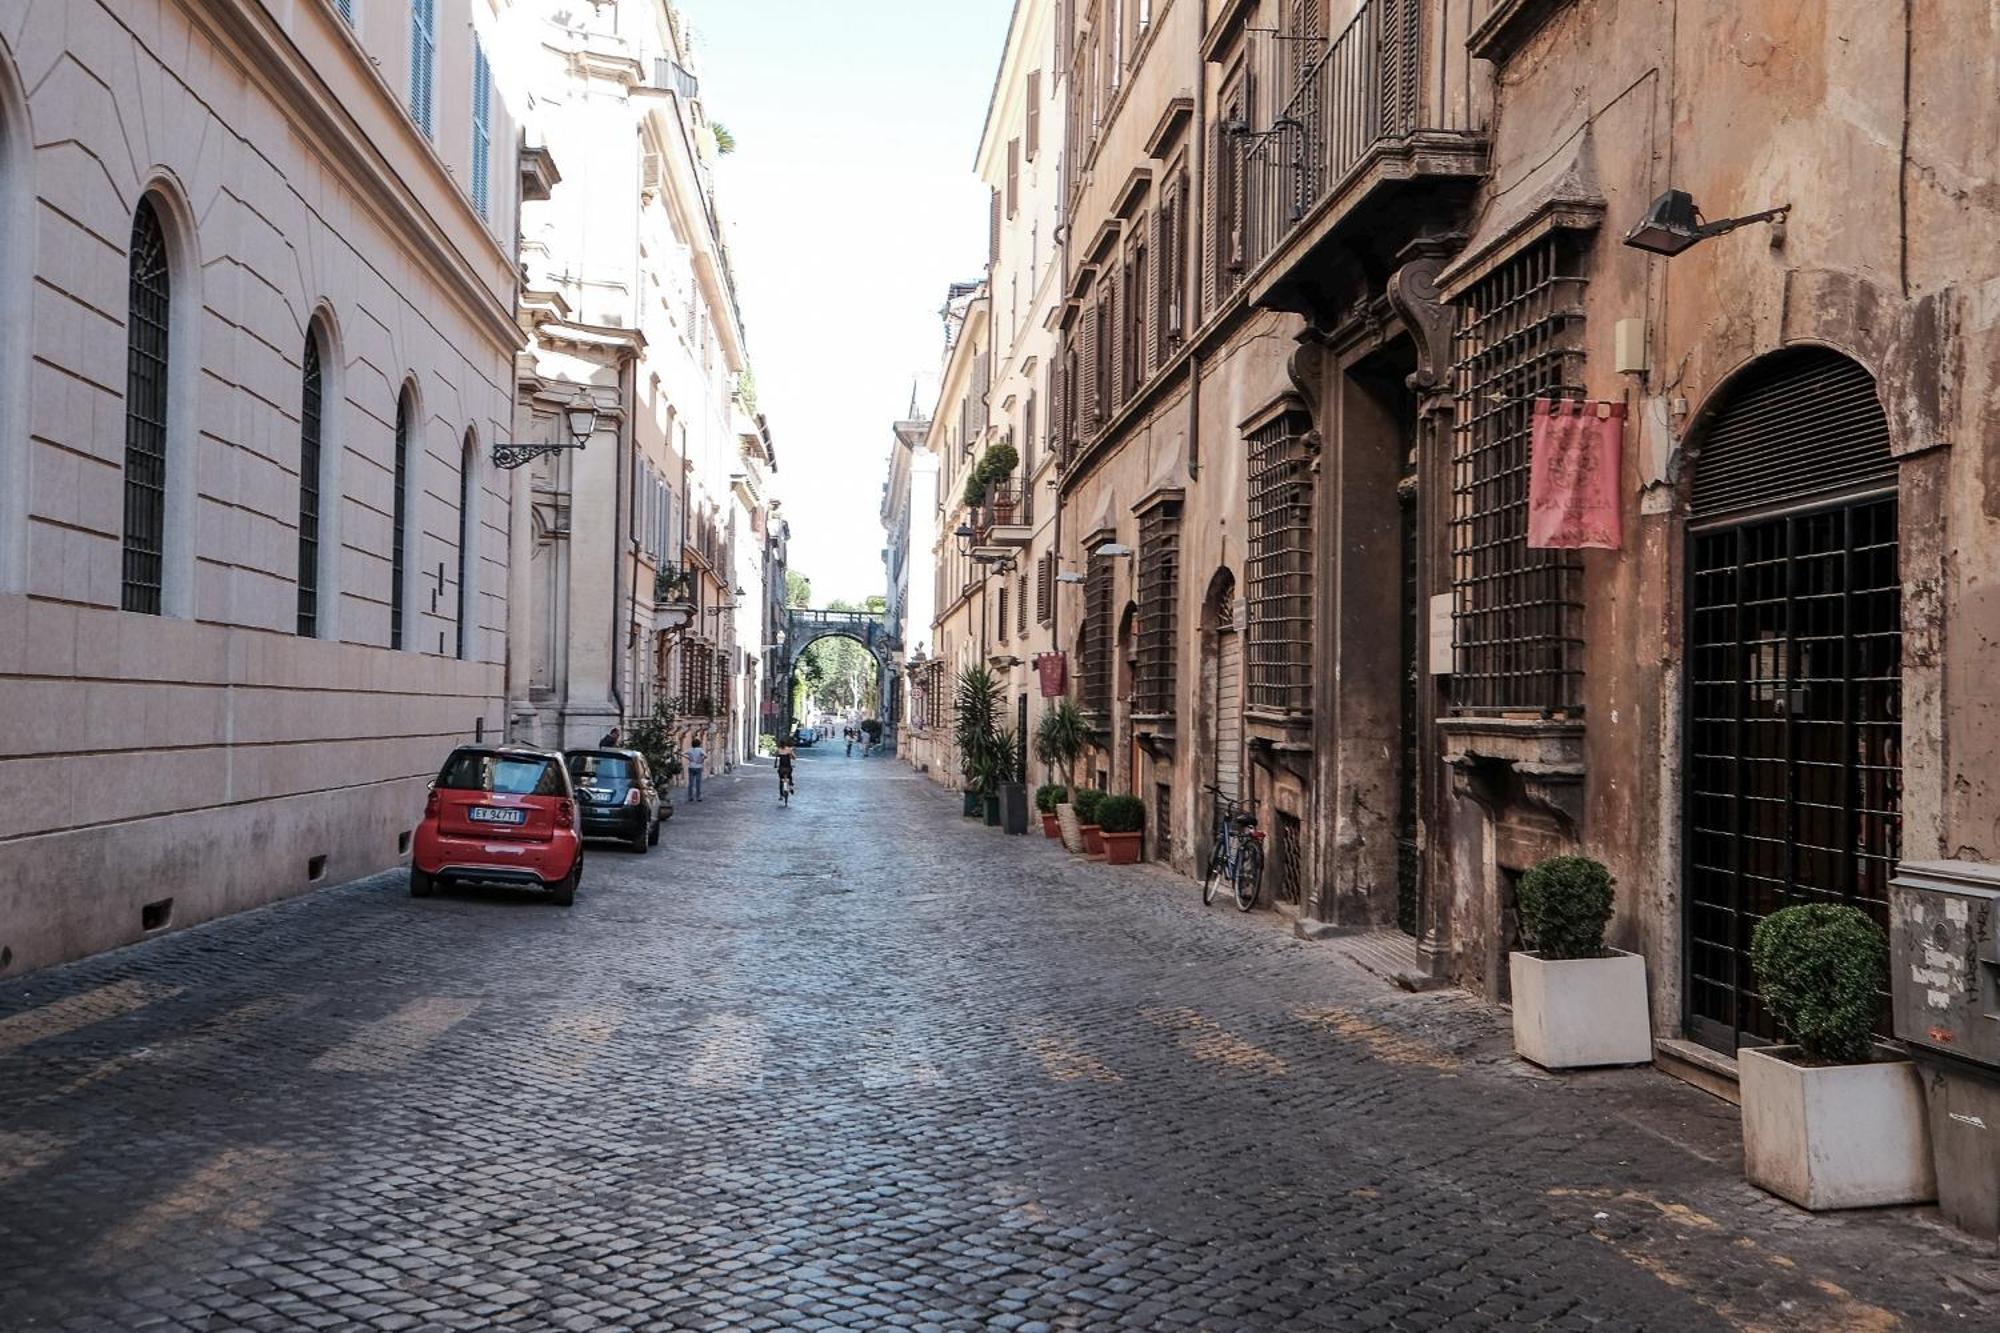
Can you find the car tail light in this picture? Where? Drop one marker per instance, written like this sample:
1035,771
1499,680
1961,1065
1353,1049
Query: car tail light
565,812
431,804
633,797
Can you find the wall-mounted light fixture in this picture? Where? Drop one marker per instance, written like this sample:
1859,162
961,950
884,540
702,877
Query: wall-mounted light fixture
579,420
1673,223
1113,550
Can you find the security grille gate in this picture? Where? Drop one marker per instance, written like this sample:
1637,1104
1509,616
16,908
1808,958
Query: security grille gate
1280,568
1793,776
1409,875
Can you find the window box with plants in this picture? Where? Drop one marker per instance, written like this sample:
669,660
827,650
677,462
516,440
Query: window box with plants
1121,823
1836,1120
1577,1004
1047,797
1087,802
1059,740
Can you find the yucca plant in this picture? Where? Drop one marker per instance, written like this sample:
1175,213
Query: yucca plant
976,728
1059,739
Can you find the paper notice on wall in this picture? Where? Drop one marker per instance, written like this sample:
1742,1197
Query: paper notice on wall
1573,472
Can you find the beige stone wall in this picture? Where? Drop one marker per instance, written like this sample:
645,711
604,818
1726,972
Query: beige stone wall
209,754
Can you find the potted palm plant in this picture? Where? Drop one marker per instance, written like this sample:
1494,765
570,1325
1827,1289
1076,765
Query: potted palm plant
1576,1003
1120,821
1836,1120
1059,741
1086,802
1047,797
975,724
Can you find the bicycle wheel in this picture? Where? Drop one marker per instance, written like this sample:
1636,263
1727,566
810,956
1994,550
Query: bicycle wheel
1216,862
1249,872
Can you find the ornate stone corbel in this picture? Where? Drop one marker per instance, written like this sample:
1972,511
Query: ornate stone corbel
1413,294
1307,371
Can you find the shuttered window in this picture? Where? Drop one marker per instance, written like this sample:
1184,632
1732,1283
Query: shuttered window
1034,113
993,234
482,130
1517,615
310,408
150,296
1013,177
1096,664
1137,294
1045,587
346,8
423,65
1000,620
1021,606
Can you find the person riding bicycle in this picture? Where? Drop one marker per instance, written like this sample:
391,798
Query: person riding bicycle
787,753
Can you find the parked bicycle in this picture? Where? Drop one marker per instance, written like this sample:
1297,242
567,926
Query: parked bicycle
1238,855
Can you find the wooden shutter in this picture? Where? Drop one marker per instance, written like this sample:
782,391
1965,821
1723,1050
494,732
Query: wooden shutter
993,234
1045,584
1088,402
1021,606
1034,113
1013,177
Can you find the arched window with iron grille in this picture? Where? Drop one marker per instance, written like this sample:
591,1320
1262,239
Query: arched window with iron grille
311,417
468,528
151,302
406,411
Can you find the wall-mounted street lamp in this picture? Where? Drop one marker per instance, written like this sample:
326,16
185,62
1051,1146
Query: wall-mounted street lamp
1114,551
579,420
1069,576
1673,223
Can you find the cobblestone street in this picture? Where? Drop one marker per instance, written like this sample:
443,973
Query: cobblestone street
861,1063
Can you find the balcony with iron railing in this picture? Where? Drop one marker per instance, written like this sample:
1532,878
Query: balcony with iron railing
1003,518
1389,107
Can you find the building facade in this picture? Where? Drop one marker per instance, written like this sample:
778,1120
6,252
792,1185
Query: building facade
1321,260
253,549
644,558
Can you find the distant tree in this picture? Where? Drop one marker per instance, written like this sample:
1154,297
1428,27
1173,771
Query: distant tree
798,589
725,142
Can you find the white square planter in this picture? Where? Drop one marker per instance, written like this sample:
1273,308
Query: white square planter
1578,1012
1835,1136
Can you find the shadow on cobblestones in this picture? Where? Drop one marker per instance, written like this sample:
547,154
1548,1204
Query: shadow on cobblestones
860,1063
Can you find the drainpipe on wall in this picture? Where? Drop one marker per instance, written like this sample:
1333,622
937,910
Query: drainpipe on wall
1190,300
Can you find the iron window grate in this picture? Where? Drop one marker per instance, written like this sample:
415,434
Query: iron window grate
1159,594
400,517
1096,665
1291,859
1280,567
1516,612
146,414
309,466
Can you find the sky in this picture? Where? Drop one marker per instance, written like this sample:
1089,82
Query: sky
851,204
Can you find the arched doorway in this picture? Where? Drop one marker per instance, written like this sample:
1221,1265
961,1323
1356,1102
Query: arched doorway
1221,701
1792,773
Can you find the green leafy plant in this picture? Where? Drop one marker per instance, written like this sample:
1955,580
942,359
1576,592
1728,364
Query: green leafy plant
1121,814
976,730
654,740
725,142
974,493
1087,800
1820,970
1050,795
998,463
1059,739
1565,904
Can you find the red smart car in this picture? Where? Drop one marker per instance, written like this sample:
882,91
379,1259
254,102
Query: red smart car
503,813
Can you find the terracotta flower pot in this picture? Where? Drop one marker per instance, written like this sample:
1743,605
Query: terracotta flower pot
1121,849
1093,840
1051,826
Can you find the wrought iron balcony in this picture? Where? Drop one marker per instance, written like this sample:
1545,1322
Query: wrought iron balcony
1359,121
1002,518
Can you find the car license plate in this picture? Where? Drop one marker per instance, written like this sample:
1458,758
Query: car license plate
488,814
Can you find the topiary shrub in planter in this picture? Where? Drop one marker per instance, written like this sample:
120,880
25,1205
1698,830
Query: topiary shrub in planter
1085,801
1047,797
1576,1003
1837,1120
1120,822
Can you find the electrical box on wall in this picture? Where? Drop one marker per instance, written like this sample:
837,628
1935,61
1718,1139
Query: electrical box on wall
1628,338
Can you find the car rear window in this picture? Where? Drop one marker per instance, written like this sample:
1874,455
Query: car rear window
600,768
502,774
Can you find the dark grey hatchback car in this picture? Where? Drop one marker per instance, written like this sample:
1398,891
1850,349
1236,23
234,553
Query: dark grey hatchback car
616,797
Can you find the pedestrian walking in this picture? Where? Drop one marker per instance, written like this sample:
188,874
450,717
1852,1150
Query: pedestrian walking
697,759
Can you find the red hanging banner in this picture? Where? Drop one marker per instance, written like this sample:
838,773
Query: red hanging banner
1573,469
1050,666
